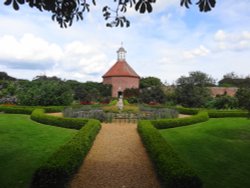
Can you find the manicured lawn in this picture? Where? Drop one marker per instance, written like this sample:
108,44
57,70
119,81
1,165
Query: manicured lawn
24,146
219,150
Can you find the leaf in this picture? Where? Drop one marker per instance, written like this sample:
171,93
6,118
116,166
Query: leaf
15,5
138,4
20,1
149,7
7,2
143,8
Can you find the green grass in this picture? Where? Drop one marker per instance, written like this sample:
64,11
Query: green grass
24,146
219,150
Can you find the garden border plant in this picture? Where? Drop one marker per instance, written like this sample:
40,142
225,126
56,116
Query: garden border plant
213,113
63,164
174,172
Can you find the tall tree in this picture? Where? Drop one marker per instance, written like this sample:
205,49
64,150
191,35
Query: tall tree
243,96
192,90
66,11
40,92
233,80
150,82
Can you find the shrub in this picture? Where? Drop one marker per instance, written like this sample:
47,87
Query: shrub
59,168
16,109
113,102
226,113
51,109
189,111
177,122
173,172
72,123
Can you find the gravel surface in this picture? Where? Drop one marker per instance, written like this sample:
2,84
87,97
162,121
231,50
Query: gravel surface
58,114
183,115
117,160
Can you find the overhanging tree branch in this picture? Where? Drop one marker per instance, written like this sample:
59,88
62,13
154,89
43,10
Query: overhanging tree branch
65,12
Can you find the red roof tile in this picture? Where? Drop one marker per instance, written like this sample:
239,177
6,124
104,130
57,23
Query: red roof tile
121,68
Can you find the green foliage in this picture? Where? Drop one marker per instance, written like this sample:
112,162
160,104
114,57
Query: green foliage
223,102
72,123
213,113
177,122
29,109
217,149
16,109
192,91
131,92
226,113
90,91
133,100
150,82
125,102
152,94
5,76
173,172
45,91
189,111
59,168
233,80
243,96
113,102
25,146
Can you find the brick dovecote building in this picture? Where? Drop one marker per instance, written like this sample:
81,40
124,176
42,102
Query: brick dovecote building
121,75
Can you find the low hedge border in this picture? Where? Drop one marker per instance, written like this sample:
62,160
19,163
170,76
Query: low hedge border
64,163
226,113
16,110
173,172
177,122
39,115
29,109
213,113
188,111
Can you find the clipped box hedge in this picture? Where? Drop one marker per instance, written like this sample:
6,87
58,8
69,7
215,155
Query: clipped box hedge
29,109
226,113
64,163
177,122
16,109
188,111
173,172
72,123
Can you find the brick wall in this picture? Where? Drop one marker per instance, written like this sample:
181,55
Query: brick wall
121,83
230,91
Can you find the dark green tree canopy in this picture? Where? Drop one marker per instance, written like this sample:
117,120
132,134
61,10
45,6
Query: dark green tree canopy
192,90
150,82
243,96
233,80
66,11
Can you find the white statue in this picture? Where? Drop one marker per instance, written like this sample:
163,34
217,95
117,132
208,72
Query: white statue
120,103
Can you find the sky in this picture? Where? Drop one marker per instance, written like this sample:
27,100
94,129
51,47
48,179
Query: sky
168,43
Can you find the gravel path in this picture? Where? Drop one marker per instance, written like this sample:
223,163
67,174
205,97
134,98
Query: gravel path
116,160
183,115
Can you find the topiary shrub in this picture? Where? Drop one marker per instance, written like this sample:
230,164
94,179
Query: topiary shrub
173,172
64,163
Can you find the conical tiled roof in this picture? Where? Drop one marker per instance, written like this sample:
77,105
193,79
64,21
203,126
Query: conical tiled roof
121,68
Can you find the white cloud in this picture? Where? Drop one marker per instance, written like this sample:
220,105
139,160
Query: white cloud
232,40
200,51
28,48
